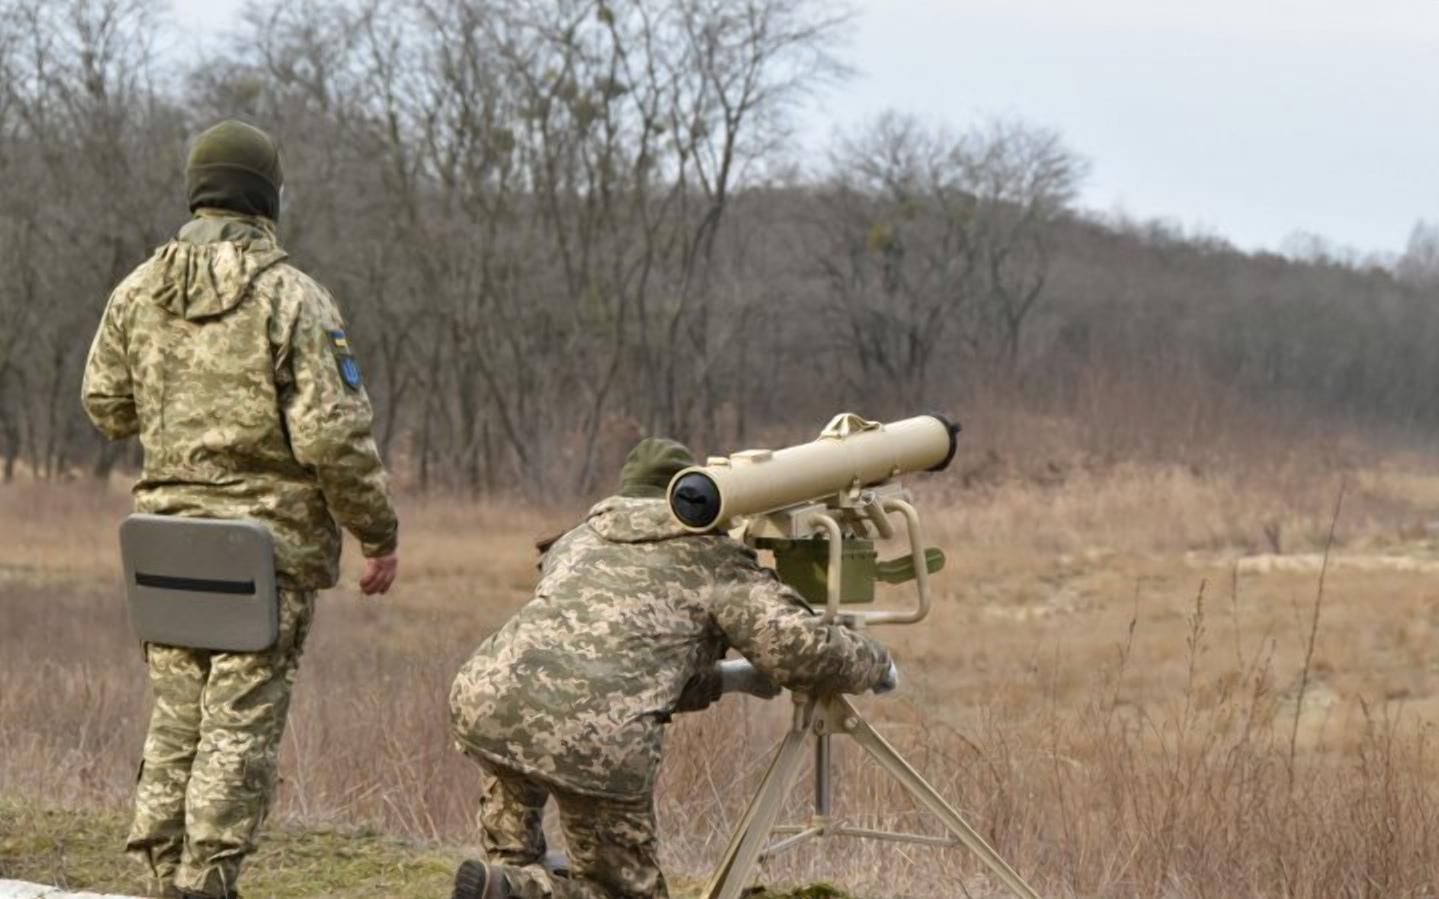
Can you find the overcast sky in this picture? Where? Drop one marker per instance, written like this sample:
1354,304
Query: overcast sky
1249,119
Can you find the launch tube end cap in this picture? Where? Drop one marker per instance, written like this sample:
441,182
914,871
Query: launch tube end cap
953,428
695,499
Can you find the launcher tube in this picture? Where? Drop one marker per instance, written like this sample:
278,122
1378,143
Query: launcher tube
850,453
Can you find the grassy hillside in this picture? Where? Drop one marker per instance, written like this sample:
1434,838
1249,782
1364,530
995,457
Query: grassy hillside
1131,684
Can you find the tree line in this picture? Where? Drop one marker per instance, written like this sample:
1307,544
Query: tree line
555,227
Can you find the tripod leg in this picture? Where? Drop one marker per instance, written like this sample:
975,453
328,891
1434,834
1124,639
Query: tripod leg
823,786
754,828
846,719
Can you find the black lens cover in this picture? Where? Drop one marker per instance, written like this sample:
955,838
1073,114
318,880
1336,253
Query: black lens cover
695,500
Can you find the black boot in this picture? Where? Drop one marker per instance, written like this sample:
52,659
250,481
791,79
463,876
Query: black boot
477,880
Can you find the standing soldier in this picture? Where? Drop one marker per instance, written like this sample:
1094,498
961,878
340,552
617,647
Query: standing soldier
233,368
569,699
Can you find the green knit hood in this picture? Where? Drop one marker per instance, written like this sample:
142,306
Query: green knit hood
235,166
650,466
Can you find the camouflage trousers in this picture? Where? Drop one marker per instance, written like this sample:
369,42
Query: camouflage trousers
612,843
211,755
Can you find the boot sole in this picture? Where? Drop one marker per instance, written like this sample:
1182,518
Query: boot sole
472,881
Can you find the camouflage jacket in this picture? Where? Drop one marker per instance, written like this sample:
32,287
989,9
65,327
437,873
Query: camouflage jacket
233,368
630,614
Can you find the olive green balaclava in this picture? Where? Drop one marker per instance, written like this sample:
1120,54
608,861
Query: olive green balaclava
650,466
235,166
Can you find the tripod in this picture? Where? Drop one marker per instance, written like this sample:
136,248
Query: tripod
843,519
820,719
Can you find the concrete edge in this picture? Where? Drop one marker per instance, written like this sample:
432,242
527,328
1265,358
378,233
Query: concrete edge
19,889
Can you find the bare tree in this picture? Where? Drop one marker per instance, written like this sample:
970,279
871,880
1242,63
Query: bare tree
86,135
557,226
1023,179
557,176
1419,265
901,248
941,244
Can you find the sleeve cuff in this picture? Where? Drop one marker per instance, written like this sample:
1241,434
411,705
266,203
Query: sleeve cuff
384,547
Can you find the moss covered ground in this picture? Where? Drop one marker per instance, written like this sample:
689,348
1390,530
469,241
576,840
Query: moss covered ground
83,851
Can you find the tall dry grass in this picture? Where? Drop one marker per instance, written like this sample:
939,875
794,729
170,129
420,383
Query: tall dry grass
1111,726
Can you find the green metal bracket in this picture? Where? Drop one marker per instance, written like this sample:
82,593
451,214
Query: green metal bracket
804,565
901,570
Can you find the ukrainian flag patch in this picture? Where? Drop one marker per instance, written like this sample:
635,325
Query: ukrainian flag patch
349,368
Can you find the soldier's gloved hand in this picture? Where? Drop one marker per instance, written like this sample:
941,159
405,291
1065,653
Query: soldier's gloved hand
739,676
890,681
379,574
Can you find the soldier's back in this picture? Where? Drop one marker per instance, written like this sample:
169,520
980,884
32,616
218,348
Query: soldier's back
576,687
208,319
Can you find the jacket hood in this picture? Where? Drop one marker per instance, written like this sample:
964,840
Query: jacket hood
623,519
208,268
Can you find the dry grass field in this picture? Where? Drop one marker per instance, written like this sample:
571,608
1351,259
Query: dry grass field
1132,684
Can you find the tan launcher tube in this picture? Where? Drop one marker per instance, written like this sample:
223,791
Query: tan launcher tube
849,453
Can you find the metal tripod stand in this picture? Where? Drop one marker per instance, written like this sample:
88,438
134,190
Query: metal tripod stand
821,719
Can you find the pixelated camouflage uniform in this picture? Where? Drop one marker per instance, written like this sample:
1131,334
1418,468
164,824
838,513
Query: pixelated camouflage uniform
571,696
226,361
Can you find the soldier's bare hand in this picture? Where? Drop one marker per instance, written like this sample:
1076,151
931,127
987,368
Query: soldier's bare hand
379,574
890,682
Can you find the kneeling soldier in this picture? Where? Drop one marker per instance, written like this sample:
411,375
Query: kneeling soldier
569,699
